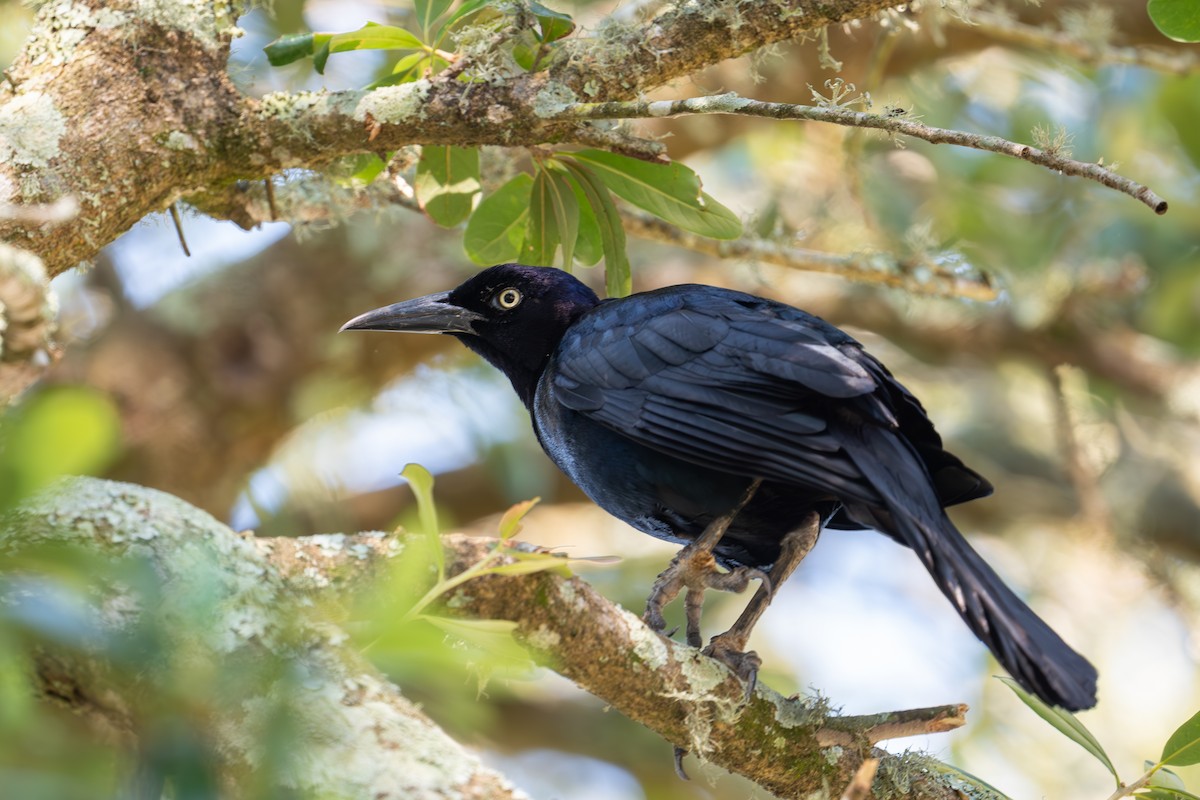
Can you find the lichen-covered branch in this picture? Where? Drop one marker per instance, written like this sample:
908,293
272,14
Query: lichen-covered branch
894,124
156,73
913,275
226,598
226,611
791,746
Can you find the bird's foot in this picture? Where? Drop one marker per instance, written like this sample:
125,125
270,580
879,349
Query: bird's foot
730,646
729,649
694,569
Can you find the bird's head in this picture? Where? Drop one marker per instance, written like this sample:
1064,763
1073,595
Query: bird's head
512,315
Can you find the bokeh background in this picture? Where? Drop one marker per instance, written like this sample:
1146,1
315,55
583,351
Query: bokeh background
221,378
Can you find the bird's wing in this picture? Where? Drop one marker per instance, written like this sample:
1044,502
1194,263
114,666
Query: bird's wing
727,381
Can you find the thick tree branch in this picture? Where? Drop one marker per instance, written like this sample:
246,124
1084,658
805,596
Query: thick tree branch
840,115
223,609
157,72
791,746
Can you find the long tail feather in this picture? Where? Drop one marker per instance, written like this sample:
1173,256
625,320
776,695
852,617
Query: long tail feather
1026,646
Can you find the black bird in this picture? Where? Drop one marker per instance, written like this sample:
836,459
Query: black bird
695,409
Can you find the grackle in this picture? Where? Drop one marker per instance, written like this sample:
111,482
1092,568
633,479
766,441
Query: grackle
740,427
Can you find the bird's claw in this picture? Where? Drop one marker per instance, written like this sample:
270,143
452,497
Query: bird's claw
695,569
744,664
679,770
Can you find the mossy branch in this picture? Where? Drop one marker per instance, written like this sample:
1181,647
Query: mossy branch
197,135
788,745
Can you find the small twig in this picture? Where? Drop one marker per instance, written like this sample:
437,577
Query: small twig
860,785
622,142
1127,790
873,728
179,229
877,268
839,115
1005,29
306,199
270,187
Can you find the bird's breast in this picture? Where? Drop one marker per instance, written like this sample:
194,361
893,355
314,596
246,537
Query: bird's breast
660,494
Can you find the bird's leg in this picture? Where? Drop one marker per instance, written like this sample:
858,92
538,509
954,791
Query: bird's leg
695,569
730,646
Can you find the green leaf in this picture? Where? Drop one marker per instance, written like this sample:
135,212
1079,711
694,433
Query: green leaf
357,170
421,482
588,247
1166,793
495,230
618,277
541,232
1066,723
293,47
566,214
55,432
428,11
371,36
1177,19
493,636
321,55
447,182
525,49
1183,748
403,71
1164,778
374,36
668,191
553,25
465,10
510,523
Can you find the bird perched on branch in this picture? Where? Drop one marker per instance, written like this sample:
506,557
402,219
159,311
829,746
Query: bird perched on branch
740,427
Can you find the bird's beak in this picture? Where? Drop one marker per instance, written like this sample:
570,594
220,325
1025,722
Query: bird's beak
433,313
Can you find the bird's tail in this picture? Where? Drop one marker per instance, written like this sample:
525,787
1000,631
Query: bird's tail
1027,647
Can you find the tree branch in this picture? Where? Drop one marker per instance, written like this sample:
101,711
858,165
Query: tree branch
913,275
789,745
839,115
161,71
1004,28
224,610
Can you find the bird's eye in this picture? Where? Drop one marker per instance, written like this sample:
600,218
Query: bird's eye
507,299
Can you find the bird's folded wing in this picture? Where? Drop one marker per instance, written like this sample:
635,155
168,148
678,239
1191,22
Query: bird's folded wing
759,390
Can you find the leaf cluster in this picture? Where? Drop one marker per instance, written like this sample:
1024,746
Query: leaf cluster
1182,749
561,212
